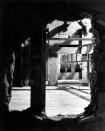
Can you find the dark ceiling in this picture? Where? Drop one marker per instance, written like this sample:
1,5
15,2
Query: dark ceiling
20,19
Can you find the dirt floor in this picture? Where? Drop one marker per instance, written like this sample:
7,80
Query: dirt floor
26,121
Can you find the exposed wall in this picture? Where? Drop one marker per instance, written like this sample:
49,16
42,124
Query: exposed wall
57,30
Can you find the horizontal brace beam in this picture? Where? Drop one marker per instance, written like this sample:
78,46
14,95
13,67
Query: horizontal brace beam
69,62
71,39
73,45
68,45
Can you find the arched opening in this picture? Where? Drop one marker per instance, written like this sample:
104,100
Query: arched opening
69,67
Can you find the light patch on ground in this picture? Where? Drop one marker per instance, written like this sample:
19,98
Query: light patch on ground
66,100
20,99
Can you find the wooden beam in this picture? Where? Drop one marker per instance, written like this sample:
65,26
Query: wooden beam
86,39
66,45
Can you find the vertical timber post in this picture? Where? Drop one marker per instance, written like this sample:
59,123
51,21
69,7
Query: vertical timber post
36,72
43,67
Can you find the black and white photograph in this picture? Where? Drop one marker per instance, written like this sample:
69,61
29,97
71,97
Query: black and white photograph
52,65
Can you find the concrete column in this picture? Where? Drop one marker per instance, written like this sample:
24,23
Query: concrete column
84,71
88,67
72,64
58,65
53,74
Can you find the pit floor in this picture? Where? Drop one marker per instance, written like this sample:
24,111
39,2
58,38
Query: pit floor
66,99
62,99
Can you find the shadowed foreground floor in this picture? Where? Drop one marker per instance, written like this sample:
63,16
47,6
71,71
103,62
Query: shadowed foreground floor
26,121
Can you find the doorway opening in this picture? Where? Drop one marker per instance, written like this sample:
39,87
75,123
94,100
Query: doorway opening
69,46
21,90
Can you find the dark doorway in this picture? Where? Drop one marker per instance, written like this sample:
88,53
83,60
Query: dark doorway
21,89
